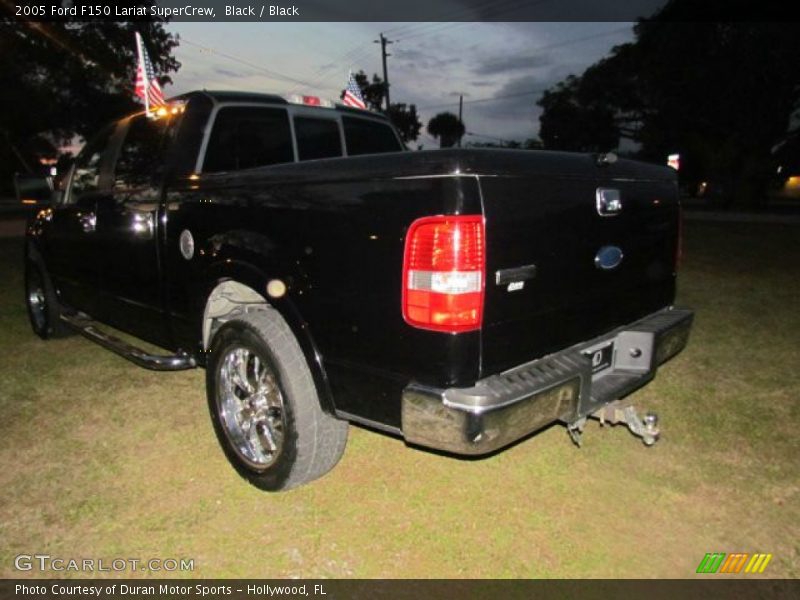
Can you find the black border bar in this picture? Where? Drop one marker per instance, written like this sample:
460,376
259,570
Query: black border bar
706,588
395,10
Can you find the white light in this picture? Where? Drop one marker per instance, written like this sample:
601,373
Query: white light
445,282
674,161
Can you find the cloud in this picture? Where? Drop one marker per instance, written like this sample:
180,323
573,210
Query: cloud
424,60
231,74
508,62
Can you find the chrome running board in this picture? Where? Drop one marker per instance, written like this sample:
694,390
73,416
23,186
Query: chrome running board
90,330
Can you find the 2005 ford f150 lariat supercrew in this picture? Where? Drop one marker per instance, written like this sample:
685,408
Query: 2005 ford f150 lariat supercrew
461,299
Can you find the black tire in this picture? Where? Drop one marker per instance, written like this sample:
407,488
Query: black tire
286,408
41,300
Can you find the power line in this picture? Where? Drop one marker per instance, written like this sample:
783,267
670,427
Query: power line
355,55
352,55
436,29
273,74
491,99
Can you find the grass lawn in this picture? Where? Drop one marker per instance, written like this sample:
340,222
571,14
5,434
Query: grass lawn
102,459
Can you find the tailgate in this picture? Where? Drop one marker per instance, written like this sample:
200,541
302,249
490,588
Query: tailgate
551,228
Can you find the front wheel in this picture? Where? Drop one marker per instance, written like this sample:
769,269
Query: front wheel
264,405
41,300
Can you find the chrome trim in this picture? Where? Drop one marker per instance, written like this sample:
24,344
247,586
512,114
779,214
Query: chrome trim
608,258
37,299
514,274
89,329
444,176
503,408
186,244
608,202
250,408
346,416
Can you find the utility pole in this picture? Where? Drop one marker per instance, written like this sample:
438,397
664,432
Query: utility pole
383,42
460,112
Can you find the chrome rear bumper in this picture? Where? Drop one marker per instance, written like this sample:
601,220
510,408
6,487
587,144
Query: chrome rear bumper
503,408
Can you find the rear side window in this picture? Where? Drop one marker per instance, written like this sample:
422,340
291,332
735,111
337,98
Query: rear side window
141,155
317,138
86,177
363,136
249,136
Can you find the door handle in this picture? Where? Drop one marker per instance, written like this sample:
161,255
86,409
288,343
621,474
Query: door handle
88,221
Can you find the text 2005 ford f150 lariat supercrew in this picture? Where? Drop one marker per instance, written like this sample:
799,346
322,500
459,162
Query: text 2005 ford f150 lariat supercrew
461,299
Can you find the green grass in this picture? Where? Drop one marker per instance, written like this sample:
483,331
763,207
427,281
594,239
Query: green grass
102,459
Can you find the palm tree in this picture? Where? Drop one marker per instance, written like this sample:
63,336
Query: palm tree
447,128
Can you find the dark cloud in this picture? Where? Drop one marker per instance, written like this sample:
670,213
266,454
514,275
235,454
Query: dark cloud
472,10
514,102
566,10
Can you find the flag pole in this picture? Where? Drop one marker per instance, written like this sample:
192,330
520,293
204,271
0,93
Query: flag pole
140,53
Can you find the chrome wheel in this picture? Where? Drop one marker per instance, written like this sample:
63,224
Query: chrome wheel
250,407
37,301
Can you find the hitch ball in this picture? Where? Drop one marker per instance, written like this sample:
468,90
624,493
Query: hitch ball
651,423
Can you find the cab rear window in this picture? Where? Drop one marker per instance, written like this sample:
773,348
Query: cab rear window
317,138
364,136
244,137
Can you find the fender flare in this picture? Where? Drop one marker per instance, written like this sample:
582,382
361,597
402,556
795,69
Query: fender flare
256,279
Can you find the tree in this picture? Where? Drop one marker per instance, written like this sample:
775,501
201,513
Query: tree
66,79
403,117
720,92
568,124
447,128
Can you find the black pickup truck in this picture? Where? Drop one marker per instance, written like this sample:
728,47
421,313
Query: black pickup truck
461,299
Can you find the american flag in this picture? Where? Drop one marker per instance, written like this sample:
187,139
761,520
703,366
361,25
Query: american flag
352,95
147,87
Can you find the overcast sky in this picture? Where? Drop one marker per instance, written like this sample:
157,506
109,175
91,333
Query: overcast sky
431,63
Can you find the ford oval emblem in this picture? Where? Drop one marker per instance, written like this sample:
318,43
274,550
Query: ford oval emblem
608,257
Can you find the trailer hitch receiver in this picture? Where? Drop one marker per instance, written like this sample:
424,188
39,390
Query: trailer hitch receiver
645,427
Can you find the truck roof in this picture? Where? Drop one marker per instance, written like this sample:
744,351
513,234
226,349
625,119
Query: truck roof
260,97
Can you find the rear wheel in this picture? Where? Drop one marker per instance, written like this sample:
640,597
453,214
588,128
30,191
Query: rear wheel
44,310
264,405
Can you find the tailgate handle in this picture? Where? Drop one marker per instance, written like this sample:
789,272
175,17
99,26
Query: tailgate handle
506,276
609,202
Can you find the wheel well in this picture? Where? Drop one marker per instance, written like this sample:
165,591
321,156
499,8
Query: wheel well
231,299
227,301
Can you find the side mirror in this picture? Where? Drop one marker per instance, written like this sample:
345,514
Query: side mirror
34,190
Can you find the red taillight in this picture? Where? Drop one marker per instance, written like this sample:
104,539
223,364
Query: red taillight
443,273
311,101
